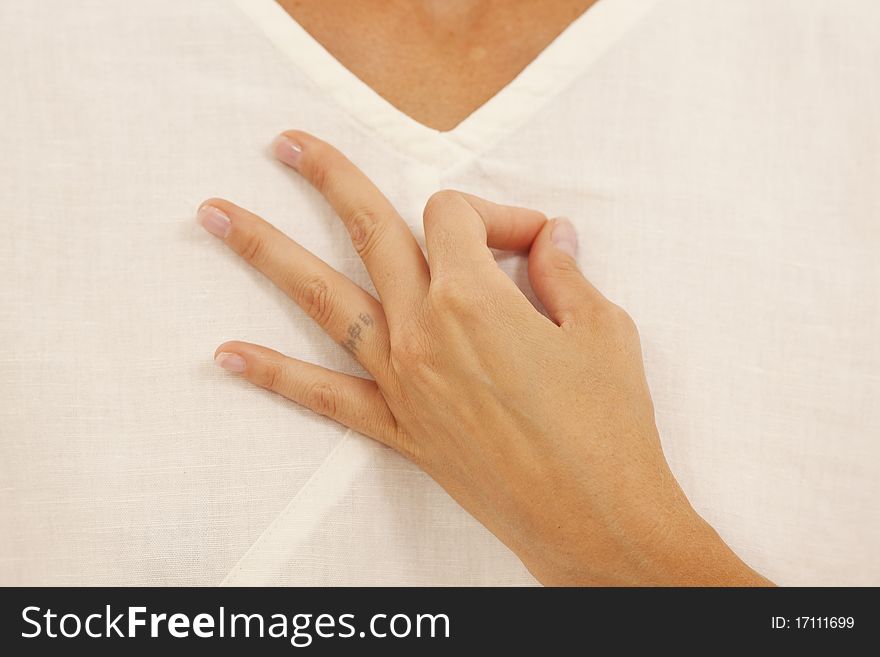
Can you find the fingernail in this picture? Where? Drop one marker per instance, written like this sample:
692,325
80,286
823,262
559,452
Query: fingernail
564,237
214,221
231,362
287,150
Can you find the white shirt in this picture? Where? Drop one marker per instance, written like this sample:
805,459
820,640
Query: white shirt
719,159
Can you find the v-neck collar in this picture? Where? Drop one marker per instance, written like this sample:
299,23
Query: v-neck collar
555,67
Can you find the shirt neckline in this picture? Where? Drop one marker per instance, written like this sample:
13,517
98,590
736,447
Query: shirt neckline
573,51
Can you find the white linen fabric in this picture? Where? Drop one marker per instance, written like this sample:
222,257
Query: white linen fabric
719,159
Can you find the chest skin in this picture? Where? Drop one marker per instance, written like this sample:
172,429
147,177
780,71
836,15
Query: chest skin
437,61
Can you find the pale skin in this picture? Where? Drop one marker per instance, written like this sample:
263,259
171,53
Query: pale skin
542,427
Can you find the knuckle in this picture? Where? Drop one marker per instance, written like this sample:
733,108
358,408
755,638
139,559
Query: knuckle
627,322
564,267
315,166
404,353
617,319
251,248
269,376
364,228
323,398
437,201
450,296
318,176
316,299
622,319
409,352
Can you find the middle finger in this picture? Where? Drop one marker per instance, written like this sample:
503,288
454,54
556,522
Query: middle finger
347,312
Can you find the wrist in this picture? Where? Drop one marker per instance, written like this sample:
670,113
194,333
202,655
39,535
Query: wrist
674,547
693,554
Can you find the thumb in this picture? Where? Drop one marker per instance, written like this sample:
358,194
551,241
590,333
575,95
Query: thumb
555,276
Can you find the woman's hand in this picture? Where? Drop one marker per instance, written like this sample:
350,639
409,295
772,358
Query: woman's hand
543,429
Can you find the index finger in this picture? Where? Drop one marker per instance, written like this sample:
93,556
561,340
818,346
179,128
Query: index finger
388,248
460,228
